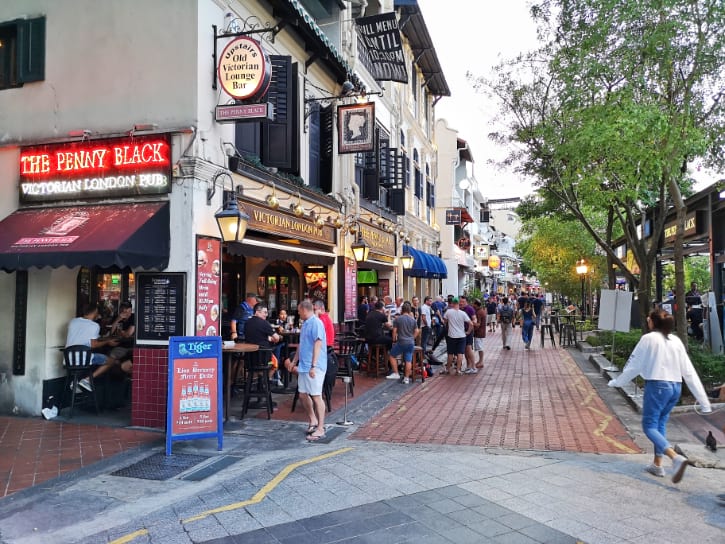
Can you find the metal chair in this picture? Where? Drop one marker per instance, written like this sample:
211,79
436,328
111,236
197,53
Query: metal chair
346,348
77,363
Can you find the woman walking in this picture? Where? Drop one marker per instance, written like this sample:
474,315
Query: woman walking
661,359
527,317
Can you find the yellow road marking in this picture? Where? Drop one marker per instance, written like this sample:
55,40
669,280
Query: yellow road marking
258,496
604,423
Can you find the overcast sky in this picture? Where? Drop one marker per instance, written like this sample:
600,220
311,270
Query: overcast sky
474,35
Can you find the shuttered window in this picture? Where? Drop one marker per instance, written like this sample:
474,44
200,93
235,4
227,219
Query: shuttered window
22,52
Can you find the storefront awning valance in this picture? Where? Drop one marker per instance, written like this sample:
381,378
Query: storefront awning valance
122,235
426,265
304,254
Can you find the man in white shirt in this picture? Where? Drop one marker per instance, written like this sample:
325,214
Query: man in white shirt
459,325
425,323
84,331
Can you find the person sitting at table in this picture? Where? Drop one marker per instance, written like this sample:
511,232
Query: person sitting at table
281,322
85,331
259,331
376,323
123,328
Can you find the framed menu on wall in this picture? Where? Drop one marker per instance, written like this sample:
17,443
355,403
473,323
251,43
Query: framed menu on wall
207,320
160,306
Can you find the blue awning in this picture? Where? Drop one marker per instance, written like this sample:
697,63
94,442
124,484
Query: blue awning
425,265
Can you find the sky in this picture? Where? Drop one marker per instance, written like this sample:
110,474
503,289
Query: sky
475,35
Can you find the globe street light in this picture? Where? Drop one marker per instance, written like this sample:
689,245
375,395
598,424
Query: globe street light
582,269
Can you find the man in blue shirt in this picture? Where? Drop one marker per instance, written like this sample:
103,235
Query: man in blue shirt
310,364
242,314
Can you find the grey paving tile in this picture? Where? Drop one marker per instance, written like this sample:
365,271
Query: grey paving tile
489,528
463,535
467,516
492,510
285,530
516,521
513,538
547,535
445,506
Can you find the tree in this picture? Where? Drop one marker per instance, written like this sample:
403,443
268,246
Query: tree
609,111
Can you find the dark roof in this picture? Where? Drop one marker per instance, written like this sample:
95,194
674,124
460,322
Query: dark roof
412,25
463,150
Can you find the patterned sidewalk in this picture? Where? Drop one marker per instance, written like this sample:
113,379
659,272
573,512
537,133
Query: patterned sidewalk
530,400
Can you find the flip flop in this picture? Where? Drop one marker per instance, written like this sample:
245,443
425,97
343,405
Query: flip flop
479,365
311,429
315,438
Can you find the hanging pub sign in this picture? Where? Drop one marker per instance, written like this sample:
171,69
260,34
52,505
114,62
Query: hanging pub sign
137,165
453,216
494,262
244,69
380,48
355,128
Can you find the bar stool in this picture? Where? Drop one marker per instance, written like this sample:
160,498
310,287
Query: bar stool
377,360
418,365
257,366
547,327
567,334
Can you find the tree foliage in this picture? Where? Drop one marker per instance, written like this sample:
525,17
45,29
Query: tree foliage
609,111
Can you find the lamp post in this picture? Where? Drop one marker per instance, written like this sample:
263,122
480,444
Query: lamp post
582,269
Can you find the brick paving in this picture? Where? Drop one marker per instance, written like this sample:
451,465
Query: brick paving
531,400
33,451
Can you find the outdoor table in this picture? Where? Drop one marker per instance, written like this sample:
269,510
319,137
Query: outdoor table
231,368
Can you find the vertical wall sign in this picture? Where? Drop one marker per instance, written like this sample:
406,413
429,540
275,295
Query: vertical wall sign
208,286
194,395
380,47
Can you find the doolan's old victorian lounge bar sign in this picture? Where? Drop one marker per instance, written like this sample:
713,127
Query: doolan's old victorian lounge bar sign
95,169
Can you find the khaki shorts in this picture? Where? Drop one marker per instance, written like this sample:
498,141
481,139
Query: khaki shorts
490,319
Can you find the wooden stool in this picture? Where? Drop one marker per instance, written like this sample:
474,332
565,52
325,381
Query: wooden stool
418,365
377,360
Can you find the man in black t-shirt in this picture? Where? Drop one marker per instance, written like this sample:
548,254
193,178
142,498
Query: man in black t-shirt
123,328
376,323
258,330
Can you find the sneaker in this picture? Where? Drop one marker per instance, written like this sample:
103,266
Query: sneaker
406,381
459,373
392,376
78,389
679,464
470,371
527,346
655,470
85,384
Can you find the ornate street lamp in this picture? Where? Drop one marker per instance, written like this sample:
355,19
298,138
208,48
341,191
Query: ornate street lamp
407,259
582,269
232,221
360,249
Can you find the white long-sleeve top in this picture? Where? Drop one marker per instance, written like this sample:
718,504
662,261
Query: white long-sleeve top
664,358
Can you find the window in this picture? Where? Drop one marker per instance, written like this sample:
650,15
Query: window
22,52
320,129
275,142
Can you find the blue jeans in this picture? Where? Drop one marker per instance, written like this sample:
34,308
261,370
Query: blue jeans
527,331
659,400
424,336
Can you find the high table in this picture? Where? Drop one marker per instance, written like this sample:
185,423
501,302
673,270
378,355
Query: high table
231,369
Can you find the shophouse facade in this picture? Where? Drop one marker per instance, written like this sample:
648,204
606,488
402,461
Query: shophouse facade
121,143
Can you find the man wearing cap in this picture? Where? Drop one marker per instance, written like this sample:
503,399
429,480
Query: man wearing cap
242,314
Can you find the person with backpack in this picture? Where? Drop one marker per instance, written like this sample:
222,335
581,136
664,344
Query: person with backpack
506,318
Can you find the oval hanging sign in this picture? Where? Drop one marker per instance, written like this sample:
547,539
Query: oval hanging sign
244,69
494,262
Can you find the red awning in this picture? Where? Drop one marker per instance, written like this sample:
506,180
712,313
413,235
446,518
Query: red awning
123,235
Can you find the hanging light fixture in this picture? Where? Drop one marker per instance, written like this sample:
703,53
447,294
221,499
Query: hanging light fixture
297,209
360,249
232,221
407,259
272,200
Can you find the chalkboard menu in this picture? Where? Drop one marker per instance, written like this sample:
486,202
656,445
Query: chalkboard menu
161,306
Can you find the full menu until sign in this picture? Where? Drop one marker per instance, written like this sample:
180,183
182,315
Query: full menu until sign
160,301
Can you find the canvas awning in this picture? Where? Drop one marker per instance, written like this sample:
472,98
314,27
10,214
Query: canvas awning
122,235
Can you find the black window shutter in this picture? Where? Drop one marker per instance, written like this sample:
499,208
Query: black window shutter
431,195
280,141
313,124
418,183
396,201
370,189
31,50
327,119
247,137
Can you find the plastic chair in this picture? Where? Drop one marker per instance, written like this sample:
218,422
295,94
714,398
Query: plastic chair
77,363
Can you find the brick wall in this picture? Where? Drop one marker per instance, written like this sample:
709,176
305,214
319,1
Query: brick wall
150,380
